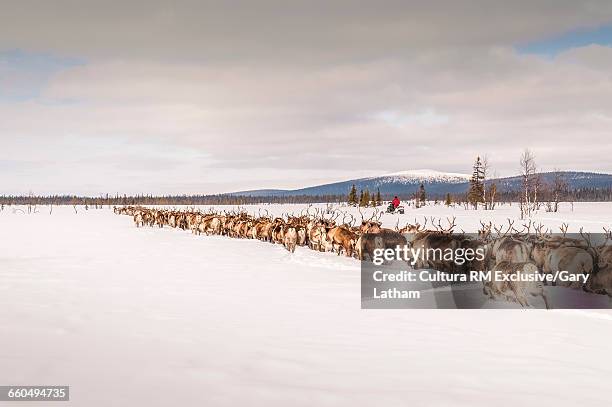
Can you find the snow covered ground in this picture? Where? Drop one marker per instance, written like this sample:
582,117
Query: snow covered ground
158,317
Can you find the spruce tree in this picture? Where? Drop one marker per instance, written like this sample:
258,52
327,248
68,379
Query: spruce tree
422,194
378,197
476,191
366,198
448,201
352,197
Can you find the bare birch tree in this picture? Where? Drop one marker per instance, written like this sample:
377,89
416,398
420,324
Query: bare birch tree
528,176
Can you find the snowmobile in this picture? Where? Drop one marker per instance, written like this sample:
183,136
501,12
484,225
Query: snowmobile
392,209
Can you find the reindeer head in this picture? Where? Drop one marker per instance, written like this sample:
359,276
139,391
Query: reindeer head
369,226
372,224
484,233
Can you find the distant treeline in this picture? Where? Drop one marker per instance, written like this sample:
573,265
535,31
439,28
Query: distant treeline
576,195
221,199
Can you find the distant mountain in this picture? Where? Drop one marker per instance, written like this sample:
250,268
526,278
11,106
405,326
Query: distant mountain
436,183
399,183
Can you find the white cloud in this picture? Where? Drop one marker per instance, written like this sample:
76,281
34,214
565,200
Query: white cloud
285,102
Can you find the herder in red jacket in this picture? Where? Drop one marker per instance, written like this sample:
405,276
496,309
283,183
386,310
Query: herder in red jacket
395,202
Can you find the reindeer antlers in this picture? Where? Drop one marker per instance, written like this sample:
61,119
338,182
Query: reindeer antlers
485,231
380,215
438,225
499,230
563,228
344,219
376,215
334,215
608,234
587,238
308,210
538,228
451,224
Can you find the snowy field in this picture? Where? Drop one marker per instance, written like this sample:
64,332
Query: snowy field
158,317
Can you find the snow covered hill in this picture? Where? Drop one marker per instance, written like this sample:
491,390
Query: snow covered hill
398,183
427,175
413,179
437,183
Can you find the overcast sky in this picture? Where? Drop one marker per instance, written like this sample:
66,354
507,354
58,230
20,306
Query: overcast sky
207,97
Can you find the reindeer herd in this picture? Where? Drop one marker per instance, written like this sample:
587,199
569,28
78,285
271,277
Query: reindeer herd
529,250
317,231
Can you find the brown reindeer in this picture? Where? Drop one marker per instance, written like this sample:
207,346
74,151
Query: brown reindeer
290,238
373,236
